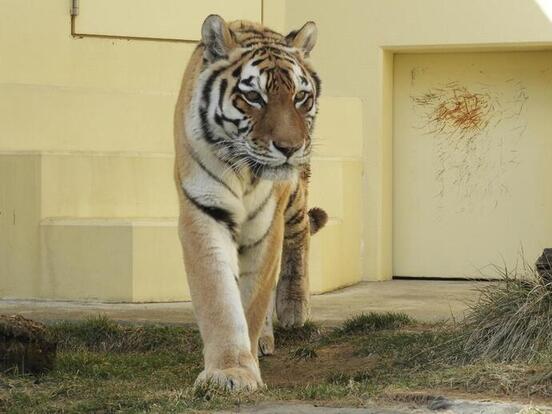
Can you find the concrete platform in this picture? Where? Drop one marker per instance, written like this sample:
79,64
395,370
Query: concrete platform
424,300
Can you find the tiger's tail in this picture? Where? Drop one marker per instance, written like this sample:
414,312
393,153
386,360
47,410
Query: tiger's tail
317,218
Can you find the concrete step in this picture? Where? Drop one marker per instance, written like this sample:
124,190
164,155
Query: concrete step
112,259
140,260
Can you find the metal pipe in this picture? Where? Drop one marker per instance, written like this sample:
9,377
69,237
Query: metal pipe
74,7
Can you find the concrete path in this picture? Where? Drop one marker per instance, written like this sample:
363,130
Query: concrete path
446,407
425,300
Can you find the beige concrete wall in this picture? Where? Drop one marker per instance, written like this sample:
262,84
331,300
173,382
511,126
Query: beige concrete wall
19,225
357,41
86,151
86,132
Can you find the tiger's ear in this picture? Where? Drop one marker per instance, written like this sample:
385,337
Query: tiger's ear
216,37
304,38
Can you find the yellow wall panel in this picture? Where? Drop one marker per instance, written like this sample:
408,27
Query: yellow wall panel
338,130
335,258
326,186
108,185
71,119
86,260
19,232
274,15
159,19
159,272
51,56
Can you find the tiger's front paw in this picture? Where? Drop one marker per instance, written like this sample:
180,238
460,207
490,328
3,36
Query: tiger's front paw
266,344
292,313
230,379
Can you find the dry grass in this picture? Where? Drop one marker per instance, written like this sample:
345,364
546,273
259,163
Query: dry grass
512,321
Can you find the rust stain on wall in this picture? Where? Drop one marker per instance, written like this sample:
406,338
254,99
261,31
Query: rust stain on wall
476,128
454,109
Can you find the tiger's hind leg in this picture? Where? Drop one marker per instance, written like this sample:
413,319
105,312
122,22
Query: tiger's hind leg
292,292
317,219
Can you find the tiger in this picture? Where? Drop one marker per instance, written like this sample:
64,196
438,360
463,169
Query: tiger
242,127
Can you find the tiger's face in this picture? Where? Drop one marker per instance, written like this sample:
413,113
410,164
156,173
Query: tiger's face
258,96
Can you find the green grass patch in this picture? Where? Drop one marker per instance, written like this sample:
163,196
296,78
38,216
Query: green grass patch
104,335
104,366
309,332
373,322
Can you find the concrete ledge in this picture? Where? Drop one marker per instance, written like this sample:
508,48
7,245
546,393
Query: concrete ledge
128,260
140,259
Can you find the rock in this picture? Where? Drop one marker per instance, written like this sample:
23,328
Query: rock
543,266
24,347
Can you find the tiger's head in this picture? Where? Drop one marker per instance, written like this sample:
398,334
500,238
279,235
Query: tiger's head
257,96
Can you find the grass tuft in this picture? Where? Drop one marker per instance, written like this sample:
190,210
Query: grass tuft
310,331
105,335
373,322
512,319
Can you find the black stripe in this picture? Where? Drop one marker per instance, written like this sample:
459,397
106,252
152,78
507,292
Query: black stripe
317,82
250,31
237,72
213,176
223,86
296,218
218,214
235,121
293,196
243,130
207,133
245,247
262,33
208,86
296,234
254,213
257,61
258,40
203,110
218,119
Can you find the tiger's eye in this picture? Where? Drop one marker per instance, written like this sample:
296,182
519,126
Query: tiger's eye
254,97
300,96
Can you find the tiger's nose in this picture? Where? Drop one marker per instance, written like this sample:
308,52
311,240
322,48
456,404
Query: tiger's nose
287,150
